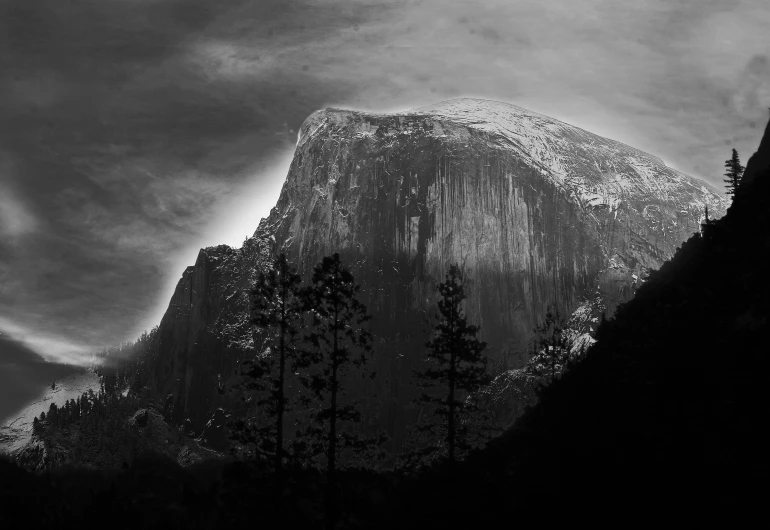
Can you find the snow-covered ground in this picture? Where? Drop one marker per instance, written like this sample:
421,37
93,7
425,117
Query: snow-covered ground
16,432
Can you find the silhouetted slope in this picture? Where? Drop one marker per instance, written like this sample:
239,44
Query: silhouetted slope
759,160
669,409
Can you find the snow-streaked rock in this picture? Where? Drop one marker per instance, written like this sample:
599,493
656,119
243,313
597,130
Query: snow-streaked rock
537,212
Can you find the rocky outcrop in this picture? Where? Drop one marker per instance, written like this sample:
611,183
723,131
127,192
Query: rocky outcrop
205,333
536,211
40,455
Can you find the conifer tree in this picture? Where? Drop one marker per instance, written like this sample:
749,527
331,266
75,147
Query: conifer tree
457,364
734,173
276,309
53,415
337,341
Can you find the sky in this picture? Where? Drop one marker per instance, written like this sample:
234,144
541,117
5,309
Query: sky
135,132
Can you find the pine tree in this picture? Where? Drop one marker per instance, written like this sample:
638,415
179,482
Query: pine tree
276,309
337,341
457,364
53,415
734,173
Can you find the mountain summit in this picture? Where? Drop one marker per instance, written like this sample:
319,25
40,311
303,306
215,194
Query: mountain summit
537,212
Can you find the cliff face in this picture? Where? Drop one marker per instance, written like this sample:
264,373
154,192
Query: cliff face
205,332
536,211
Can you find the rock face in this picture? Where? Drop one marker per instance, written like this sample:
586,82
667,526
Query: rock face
39,456
205,333
536,211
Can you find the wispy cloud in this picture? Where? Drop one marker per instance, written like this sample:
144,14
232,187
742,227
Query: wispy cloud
16,219
51,347
138,132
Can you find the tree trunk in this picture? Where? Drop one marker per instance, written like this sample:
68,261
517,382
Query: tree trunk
451,418
280,405
331,505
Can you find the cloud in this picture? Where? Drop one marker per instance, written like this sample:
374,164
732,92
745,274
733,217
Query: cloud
234,219
144,130
22,374
753,89
16,219
50,347
221,60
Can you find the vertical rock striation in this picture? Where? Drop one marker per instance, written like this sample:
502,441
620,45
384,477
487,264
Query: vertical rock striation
205,333
536,211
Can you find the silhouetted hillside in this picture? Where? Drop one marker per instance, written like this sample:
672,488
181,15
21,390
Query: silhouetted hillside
760,160
668,411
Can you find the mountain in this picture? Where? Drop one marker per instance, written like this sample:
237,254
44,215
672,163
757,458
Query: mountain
538,212
661,422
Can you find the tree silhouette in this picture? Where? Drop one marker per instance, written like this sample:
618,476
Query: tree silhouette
457,364
276,309
53,415
734,173
336,342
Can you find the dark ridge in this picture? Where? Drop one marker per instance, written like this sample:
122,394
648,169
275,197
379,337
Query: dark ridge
759,160
667,412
